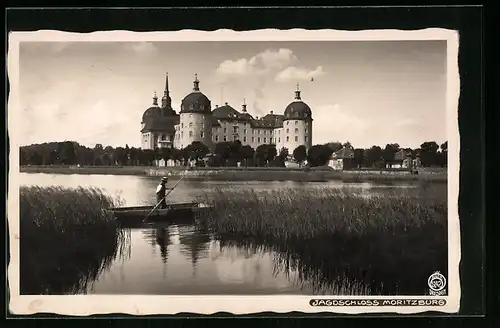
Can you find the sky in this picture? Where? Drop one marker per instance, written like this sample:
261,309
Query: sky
365,92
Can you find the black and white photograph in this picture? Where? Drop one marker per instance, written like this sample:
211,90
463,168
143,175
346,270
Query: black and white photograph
256,171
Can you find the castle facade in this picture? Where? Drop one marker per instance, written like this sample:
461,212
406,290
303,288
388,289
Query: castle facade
162,126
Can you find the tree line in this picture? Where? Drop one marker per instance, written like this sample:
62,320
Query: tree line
224,154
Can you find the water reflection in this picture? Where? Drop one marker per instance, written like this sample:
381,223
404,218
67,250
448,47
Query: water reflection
184,259
140,190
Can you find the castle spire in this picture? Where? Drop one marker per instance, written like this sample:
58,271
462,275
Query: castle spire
196,83
244,106
166,83
297,92
166,101
155,99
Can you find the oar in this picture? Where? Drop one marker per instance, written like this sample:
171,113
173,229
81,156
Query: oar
163,198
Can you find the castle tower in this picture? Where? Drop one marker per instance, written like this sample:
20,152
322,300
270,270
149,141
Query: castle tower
297,125
195,117
166,101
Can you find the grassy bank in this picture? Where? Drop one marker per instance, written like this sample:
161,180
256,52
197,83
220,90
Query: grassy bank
67,239
388,244
248,174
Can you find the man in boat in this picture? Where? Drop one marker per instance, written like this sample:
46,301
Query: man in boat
161,192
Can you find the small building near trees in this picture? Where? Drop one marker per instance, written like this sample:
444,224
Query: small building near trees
342,159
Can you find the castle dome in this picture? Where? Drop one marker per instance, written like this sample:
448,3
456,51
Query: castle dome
152,112
298,110
196,101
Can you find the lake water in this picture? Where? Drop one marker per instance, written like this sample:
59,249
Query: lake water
179,259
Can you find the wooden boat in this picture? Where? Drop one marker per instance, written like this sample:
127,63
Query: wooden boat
180,212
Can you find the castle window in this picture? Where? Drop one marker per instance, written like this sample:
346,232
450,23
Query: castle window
253,139
182,133
287,138
225,139
258,132
295,122
305,130
265,140
296,138
190,124
182,125
296,130
258,139
216,138
287,122
235,129
201,134
306,138
225,130
202,125
244,139
287,130
190,133
244,123
245,131
279,139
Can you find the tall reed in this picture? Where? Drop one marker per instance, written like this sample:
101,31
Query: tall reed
389,242
67,238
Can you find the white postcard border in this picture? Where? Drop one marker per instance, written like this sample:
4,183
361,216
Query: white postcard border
83,305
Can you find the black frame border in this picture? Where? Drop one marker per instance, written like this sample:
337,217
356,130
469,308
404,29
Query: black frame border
468,20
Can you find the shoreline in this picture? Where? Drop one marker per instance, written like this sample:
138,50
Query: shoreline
320,174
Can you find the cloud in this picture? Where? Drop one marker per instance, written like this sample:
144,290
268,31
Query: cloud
52,47
335,123
261,63
146,48
294,73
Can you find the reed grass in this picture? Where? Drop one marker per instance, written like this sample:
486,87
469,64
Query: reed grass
67,238
389,243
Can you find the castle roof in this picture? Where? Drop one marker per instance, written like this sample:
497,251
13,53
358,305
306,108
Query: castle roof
343,153
161,124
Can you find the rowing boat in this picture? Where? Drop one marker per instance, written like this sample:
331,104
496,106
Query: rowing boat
172,212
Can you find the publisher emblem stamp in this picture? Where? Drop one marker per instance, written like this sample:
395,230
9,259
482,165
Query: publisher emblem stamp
437,284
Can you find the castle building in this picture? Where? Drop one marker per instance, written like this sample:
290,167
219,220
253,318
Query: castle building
162,126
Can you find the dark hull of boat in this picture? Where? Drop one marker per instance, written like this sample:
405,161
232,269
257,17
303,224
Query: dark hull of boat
174,213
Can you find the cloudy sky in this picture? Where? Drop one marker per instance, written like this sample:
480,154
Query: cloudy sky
368,93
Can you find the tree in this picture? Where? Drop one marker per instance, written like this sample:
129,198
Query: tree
443,154
148,157
300,154
428,153
373,156
271,153
389,153
247,153
444,146
234,152
197,150
127,154
264,154
334,146
223,151
283,154
359,156
67,153
347,144
120,155
319,155
165,153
